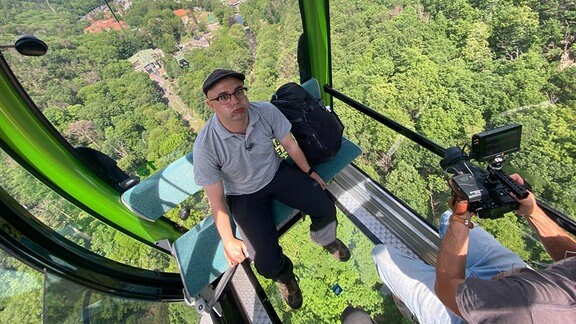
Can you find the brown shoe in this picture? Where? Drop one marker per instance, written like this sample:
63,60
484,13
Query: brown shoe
291,293
338,250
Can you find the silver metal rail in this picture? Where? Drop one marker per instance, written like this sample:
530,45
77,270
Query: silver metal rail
383,216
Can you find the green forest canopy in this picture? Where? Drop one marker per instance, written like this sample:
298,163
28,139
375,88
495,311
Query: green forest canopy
446,69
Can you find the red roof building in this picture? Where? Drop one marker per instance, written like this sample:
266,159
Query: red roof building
180,12
105,25
183,14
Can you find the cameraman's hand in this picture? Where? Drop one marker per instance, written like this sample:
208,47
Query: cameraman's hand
527,205
557,242
458,205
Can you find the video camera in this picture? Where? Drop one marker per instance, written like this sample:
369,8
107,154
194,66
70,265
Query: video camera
486,190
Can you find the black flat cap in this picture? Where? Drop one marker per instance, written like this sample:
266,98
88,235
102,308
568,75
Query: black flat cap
218,75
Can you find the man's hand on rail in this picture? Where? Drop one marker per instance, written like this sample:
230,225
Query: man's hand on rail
235,251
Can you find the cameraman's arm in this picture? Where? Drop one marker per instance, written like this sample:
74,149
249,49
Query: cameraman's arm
450,267
556,241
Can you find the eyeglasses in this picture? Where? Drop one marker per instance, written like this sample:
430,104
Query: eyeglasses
224,99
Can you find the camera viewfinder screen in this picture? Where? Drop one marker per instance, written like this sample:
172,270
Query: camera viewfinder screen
503,140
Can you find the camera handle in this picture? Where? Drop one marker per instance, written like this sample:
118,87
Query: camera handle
519,191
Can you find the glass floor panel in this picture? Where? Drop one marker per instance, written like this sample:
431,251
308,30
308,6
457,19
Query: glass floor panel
67,302
329,286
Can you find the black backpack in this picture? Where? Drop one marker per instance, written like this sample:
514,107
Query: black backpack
317,129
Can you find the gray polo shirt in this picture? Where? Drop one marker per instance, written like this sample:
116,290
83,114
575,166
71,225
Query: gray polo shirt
244,162
544,296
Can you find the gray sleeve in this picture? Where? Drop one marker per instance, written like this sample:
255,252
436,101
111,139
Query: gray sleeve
206,169
482,300
281,126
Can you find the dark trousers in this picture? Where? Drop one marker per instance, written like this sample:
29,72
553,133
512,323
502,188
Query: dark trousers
253,214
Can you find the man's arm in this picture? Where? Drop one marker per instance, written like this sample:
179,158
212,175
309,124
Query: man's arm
234,249
295,152
556,241
451,263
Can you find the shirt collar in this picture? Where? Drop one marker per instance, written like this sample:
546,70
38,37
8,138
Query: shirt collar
223,133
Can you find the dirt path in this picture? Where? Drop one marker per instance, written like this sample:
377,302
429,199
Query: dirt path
185,112
176,103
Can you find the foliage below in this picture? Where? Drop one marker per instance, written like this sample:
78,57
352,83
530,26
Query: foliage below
444,69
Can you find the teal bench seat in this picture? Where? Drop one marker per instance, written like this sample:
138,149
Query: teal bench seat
199,252
153,197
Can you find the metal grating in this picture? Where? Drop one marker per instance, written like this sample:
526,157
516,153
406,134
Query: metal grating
383,216
347,201
249,301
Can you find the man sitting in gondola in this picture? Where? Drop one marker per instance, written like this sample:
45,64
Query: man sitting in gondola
241,172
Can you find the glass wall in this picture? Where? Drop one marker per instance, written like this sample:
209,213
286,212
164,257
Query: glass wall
30,296
67,302
127,82
448,70
21,289
77,225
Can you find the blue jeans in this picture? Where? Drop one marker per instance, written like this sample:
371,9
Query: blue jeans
412,280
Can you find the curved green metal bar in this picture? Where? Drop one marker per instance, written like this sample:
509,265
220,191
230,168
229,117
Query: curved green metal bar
316,24
26,238
31,140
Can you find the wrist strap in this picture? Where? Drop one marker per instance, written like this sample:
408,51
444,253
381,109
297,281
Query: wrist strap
310,171
462,220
